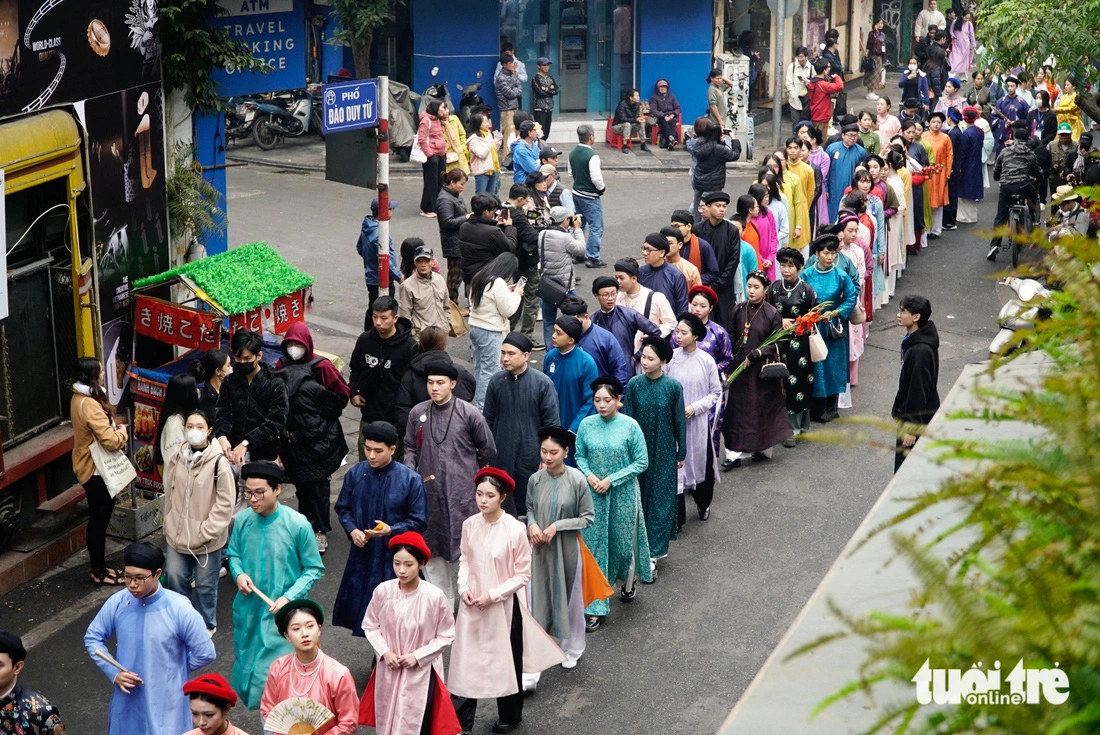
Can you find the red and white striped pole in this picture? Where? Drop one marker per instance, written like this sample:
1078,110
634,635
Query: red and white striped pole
383,183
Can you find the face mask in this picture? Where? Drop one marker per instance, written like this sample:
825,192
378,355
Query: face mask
296,352
246,368
228,370
196,437
912,67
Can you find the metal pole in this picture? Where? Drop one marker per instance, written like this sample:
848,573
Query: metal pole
778,75
383,183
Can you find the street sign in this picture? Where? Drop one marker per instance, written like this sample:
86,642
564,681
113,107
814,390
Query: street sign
349,106
790,7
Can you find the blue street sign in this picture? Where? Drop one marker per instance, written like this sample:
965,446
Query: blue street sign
349,105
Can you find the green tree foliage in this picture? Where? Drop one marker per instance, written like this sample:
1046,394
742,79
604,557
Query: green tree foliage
1024,581
193,202
1030,31
358,21
191,49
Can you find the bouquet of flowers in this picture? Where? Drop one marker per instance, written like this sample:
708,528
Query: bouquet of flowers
802,326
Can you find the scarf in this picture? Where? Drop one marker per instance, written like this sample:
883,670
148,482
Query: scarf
83,389
1078,166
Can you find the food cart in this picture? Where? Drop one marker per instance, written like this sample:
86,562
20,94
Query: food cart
251,287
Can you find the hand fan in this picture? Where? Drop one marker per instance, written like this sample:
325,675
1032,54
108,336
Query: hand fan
297,716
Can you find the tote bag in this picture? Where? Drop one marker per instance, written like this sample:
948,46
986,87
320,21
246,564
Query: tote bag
458,324
818,349
113,465
417,155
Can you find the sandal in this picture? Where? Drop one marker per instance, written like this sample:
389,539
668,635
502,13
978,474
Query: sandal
112,578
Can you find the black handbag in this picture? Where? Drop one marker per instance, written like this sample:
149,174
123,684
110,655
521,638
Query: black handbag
774,370
868,64
836,328
550,289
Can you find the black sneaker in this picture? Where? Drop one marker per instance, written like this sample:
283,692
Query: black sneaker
730,464
950,227
594,263
645,147
625,149
627,596
992,257
538,347
592,623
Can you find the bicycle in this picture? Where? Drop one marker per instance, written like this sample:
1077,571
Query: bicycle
1019,225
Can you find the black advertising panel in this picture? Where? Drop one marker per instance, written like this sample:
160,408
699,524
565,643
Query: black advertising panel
54,52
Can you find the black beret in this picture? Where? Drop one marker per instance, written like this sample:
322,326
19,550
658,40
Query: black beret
625,266
380,431
716,196
266,470
446,369
571,325
282,616
520,341
603,282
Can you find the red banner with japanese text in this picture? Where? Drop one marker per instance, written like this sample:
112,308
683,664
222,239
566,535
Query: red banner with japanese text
175,324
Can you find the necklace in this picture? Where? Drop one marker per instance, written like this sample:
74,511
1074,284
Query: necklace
792,289
447,428
299,668
748,321
818,268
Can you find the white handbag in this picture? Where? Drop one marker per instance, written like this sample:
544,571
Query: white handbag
113,466
417,155
818,349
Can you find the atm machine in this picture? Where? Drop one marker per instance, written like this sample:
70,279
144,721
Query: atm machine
573,77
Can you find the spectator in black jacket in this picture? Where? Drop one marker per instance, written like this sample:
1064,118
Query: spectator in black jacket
917,399
710,156
252,404
527,252
381,358
629,122
432,350
485,235
450,213
1019,173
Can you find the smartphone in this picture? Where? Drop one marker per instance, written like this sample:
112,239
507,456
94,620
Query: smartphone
522,282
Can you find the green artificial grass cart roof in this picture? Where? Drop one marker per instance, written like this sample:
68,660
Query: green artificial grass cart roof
241,279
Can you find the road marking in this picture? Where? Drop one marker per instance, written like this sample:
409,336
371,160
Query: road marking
44,631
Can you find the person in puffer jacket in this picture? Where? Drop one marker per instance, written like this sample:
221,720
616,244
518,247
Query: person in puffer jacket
315,444
200,490
709,156
559,244
664,106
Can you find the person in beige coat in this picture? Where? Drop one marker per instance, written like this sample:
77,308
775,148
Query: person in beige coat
93,420
199,493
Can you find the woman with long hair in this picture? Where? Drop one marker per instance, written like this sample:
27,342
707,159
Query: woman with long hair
1067,110
210,370
747,208
93,420
200,490
778,205
963,43
934,67
611,452
847,230
429,135
484,160
765,225
756,412
181,397
819,209
876,52
493,300
899,224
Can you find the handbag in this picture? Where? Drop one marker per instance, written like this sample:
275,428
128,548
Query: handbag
417,155
452,157
836,328
550,289
458,324
113,466
867,65
774,370
859,314
818,349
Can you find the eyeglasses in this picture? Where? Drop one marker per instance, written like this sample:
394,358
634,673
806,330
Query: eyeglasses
130,579
648,250
255,494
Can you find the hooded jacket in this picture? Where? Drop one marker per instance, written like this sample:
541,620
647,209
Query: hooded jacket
199,492
450,213
414,384
917,399
710,160
663,104
377,366
367,247
317,395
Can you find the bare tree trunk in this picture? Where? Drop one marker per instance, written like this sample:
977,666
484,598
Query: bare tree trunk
360,51
1089,104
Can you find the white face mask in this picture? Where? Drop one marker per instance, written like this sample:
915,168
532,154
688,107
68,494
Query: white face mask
912,67
296,352
196,437
227,370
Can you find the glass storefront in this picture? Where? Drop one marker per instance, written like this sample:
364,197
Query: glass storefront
591,42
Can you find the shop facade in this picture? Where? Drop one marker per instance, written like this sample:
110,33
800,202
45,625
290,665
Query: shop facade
82,152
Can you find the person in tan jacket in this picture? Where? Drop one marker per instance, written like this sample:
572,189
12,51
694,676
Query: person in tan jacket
200,490
93,420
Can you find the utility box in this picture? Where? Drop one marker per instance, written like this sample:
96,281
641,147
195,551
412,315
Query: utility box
351,157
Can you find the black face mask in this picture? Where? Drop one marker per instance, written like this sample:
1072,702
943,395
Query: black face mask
244,368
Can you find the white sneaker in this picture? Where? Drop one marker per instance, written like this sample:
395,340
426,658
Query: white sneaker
872,96
569,663
322,542
222,572
530,682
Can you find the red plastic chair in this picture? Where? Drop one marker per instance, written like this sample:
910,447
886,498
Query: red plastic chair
655,131
614,139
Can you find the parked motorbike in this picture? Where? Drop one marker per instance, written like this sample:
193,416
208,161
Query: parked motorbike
290,113
471,101
435,92
239,117
1022,307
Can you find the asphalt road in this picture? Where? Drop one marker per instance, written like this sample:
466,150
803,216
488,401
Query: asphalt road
678,657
